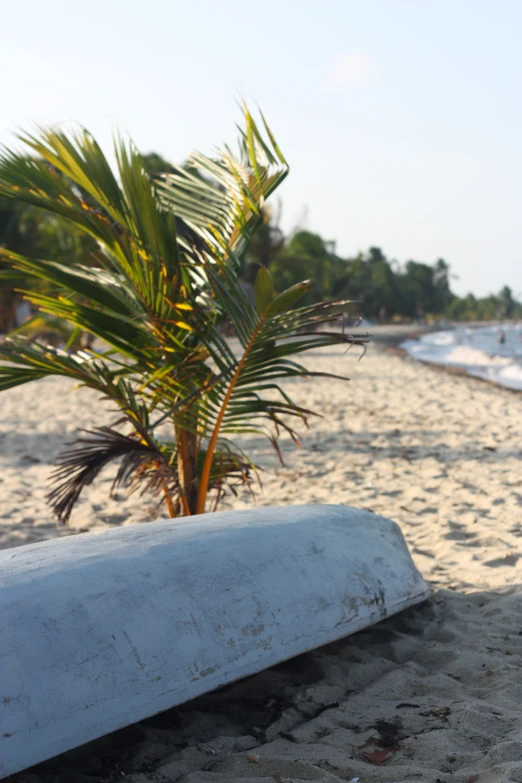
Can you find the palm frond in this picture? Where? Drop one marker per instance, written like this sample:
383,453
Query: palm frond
78,466
220,198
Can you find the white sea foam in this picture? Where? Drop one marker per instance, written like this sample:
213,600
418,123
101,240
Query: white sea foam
476,350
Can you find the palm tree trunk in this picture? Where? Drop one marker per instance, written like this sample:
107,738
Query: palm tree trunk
171,509
187,470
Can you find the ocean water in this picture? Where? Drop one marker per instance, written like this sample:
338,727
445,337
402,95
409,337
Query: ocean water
477,350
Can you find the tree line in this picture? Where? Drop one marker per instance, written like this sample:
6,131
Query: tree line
386,291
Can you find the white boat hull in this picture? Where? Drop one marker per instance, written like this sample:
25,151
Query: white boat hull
99,631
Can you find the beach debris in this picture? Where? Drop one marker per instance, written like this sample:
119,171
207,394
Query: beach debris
204,747
436,712
387,741
378,757
323,707
388,733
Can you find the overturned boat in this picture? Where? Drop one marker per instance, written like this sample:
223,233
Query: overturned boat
102,630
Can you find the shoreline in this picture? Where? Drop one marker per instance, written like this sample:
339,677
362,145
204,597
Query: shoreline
391,344
457,371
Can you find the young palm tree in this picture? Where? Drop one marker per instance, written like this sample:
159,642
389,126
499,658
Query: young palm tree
168,277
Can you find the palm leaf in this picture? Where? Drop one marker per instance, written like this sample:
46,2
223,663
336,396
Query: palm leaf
79,465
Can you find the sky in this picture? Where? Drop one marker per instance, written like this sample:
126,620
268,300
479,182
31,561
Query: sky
401,119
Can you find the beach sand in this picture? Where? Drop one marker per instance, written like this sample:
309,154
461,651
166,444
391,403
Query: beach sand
435,692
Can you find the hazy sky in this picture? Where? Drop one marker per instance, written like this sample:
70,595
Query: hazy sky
401,119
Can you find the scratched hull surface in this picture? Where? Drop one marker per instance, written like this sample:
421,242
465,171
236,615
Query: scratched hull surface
102,630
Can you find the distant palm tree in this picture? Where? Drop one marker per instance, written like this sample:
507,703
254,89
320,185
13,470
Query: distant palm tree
166,280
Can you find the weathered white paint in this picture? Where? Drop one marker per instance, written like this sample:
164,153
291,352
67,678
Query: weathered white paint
101,630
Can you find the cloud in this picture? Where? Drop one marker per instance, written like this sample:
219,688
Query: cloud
349,71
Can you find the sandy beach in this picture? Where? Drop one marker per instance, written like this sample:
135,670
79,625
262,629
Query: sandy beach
436,692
